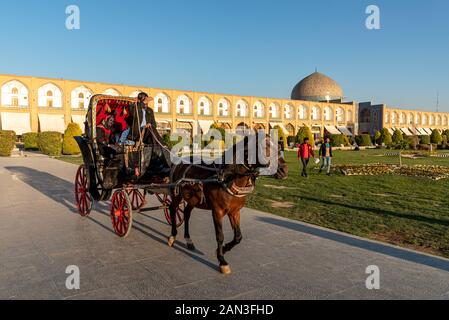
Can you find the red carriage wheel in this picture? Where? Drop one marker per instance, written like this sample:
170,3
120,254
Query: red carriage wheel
166,200
121,213
137,199
82,196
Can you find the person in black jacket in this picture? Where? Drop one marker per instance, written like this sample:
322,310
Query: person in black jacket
141,117
326,155
142,123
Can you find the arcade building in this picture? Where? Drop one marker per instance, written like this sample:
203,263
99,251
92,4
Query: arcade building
36,104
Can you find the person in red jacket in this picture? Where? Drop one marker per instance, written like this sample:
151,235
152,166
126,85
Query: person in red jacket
305,151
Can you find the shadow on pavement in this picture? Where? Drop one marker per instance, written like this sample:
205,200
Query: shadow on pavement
435,262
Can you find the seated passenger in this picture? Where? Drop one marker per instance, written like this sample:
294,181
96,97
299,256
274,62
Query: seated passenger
105,138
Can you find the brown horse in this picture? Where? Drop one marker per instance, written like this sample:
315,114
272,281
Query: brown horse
224,198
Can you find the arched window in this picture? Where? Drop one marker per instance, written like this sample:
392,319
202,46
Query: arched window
204,106
438,123
340,115
274,111
349,116
387,117
394,117
223,108
418,119
49,96
14,94
316,113
424,119
14,97
241,109
161,103
258,110
328,114
431,120
402,118
288,111
80,97
183,105
410,118
302,112
445,120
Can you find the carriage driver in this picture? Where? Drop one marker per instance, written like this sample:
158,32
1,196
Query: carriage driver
141,120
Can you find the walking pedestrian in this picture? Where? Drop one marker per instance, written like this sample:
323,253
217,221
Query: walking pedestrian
305,151
326,154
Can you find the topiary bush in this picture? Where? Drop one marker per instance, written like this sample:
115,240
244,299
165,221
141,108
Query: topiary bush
30,141
435,137
50,143
413,142
397,136
377,136
69,145
337,140
7,142
305,132
363,140
424,139
385,137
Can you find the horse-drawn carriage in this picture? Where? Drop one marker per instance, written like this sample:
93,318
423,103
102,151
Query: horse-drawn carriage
128,172
101,178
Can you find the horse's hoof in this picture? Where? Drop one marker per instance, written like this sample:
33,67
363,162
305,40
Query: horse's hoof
171,241
225,269
190,245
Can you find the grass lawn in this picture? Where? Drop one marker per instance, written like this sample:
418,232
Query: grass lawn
410,212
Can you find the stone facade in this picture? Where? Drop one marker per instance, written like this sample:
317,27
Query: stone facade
175,109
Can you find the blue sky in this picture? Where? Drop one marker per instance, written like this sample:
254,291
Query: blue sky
247,47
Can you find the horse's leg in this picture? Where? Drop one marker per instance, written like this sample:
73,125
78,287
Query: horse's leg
218,224
234,219
173,208
187,213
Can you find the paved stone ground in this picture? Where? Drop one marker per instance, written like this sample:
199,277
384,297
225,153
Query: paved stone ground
41,234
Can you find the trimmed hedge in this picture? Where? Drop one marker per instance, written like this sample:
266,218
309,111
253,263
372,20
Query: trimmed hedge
435,137
30,141
305,132
50,143
397,136
7,142
338,139
363,140
424,139
69,145
385,137
413,142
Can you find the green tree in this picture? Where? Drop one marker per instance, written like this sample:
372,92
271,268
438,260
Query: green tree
435,137
7,143
305,132
377,136
446,133
69,145
386,137
397,136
